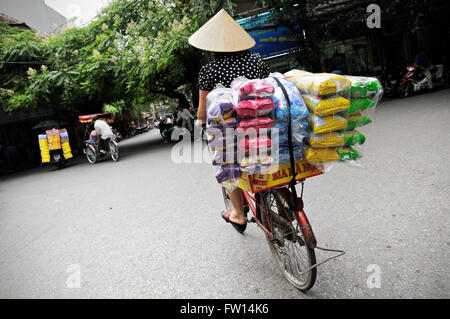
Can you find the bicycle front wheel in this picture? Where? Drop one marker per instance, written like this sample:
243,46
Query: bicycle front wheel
287,245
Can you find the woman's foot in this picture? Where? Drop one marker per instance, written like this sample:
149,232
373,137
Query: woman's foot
240,224
238,219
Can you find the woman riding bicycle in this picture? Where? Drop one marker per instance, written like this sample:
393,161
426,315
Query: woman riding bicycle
229,43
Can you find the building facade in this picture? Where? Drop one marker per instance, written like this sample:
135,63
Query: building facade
34,13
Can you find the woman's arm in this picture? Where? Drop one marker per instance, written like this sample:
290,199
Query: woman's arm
201,112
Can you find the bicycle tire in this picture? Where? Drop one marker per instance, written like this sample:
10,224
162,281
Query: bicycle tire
91,154
301,282
114,151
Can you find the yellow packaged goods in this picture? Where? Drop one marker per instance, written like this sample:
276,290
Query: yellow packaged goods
54,142
67,152
66,147
317,84
326,124
43,146
67,155
326,140
45,159
326,106
321,155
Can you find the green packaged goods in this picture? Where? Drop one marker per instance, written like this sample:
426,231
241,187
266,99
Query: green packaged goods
357,120
360,105
362,87
348,154
353,138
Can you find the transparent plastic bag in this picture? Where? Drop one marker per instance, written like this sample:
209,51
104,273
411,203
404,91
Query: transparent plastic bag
255,120
317,84
326,106
326,140
321,155
221,120
327,124
298,117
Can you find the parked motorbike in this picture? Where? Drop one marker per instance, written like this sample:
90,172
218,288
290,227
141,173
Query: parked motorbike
389,80
414,80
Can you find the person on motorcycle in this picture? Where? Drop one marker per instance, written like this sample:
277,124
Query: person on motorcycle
421,61
186,117
232,59
104,134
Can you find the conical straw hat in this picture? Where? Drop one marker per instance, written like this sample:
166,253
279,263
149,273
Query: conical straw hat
221,34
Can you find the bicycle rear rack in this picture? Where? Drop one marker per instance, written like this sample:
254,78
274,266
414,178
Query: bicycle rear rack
340,253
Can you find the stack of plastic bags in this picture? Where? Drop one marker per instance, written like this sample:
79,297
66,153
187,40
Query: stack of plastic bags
337,105
43,146
67,151
327,99
254,108
299,124
365,93
220,126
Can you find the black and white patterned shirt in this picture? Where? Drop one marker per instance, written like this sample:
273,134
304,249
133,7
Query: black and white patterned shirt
228,66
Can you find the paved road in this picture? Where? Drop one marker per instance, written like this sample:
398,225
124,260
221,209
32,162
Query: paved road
146,227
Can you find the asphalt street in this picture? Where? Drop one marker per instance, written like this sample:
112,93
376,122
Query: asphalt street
148,227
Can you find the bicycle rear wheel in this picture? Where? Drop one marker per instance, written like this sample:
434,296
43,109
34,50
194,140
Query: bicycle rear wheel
114,150
287,245
91,154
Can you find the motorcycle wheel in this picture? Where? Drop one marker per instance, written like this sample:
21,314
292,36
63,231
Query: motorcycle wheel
404,91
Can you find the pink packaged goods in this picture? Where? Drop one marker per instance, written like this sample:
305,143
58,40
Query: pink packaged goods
256,89
254,108
255,145
254,123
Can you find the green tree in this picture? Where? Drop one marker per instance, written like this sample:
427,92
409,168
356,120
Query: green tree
133,53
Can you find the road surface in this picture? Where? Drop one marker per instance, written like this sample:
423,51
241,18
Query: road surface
146,227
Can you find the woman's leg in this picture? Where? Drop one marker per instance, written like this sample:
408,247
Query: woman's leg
237,215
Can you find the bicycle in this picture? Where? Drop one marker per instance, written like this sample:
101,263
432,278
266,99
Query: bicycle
92,152
288,232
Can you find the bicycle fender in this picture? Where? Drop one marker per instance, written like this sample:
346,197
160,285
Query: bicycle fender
308,233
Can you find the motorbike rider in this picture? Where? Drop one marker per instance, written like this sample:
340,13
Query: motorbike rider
104,134
422,62
185,117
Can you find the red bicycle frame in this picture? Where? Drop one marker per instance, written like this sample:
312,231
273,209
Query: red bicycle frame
251,201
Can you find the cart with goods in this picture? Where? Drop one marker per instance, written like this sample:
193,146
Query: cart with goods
90,145
55,147
265,136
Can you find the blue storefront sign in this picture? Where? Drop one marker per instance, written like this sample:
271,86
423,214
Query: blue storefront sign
271,40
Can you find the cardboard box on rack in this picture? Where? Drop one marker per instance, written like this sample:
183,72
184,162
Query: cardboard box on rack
278,176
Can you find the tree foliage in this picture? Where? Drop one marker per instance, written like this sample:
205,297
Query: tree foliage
133,53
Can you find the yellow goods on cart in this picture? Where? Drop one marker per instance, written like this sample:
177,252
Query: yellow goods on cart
43,146
53,139
67,152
